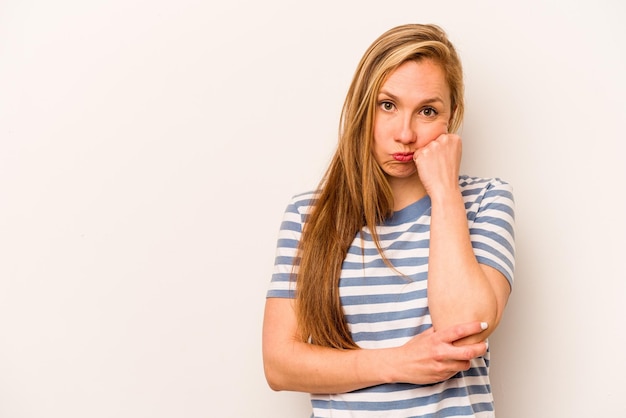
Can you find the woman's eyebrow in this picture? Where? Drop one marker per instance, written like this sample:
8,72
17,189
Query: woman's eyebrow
434,99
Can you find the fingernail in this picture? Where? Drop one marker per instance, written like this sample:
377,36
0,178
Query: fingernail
483,325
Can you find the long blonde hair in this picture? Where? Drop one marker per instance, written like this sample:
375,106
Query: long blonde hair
354,192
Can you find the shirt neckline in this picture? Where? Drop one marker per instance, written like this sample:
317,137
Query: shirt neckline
410,212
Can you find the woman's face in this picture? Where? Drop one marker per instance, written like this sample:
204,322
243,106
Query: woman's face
413,108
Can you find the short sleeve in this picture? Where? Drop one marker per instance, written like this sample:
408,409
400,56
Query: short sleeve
282,284
492,229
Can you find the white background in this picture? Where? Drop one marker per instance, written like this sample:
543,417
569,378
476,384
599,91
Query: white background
149,147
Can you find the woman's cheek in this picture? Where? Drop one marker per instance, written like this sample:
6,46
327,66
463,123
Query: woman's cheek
431,134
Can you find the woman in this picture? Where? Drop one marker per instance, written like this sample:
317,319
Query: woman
391,275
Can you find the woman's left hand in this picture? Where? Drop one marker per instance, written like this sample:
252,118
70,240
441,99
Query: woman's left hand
438,163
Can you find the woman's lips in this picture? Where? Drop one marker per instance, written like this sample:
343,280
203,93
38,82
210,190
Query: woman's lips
403,156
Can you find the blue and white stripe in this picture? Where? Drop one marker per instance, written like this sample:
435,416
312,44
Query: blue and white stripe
384,309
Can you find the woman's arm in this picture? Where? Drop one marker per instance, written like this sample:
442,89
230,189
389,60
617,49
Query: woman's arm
459,288
291,364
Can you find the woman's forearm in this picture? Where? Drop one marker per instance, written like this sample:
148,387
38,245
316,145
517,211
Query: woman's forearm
297,366
314,369
459,290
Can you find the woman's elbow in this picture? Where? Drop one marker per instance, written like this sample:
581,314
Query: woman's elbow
273,377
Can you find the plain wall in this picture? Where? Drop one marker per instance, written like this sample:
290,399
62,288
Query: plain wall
148,150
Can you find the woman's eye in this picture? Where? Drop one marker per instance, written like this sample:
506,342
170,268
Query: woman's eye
429,112
387,106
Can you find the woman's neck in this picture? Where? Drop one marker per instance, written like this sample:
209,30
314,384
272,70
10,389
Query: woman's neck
406,191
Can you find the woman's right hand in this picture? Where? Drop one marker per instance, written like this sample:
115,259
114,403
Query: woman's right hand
432,356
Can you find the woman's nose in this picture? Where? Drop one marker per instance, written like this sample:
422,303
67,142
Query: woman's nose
407,131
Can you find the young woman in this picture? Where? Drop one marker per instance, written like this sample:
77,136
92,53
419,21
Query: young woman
392,274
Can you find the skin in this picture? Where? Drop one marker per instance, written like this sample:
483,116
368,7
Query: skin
466,299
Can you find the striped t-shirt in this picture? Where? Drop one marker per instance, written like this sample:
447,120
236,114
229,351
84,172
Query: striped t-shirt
384,309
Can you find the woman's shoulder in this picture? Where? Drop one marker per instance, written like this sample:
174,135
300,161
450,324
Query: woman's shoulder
303,198
486,190
302,202
477,183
